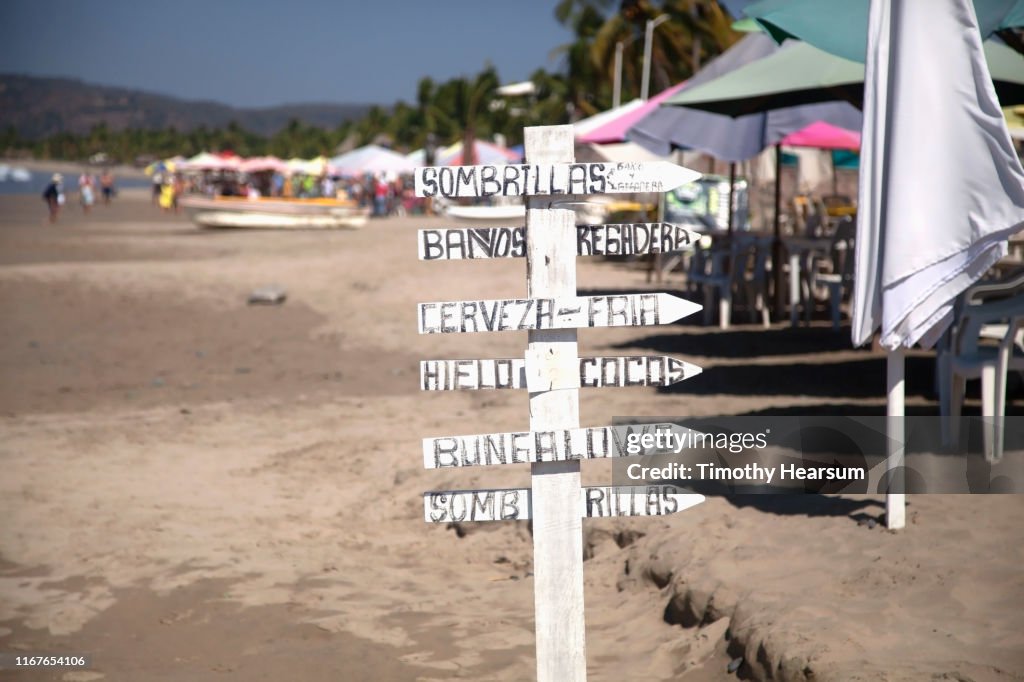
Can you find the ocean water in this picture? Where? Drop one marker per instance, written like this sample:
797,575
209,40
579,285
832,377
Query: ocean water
38,179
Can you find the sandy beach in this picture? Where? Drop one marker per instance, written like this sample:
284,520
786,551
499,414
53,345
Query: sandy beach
198,489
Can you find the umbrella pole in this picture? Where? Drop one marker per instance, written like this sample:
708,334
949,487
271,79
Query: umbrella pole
835,180
732,190
777,231
895,503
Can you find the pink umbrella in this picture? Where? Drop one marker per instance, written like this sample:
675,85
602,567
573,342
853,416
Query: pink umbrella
823,135
615,129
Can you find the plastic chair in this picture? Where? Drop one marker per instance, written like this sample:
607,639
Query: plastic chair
966,358
715,272
755,281
839,279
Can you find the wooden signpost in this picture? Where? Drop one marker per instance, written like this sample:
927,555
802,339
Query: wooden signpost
551,369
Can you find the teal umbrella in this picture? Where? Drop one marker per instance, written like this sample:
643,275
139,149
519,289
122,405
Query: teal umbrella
800,73
840,26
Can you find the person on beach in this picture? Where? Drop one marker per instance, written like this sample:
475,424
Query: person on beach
107,186
53,196
158,187
85,191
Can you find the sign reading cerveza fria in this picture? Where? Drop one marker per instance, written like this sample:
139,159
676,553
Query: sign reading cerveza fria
524,314
534,179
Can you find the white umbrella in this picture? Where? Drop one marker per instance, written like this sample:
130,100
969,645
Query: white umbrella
941,188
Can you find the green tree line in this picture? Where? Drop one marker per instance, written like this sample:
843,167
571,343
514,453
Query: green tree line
462,108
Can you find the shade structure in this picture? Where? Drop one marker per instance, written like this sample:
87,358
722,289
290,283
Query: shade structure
840,27
938,200
615,128
585,126
258,164
821,135
205,161
484,153
372,159
800,73
732,139
316,166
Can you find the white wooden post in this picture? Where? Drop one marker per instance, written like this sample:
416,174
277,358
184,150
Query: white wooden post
557,524
895,503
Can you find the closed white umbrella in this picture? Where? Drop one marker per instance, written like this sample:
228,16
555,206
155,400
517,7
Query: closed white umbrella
941,188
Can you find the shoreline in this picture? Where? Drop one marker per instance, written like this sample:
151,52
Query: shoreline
73,167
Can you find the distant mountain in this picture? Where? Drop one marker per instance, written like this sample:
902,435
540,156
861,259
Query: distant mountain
38,107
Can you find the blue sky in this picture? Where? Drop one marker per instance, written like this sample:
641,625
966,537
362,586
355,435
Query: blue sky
260,52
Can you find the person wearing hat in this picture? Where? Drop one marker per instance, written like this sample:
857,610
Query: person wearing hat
52,195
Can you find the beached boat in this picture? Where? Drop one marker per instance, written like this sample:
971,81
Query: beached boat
274,213
483,213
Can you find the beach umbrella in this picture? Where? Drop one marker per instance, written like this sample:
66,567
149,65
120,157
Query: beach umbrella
840,27
483,152
205,161
587,125
257,164
372,159
800,73
732,139
611,126
821,135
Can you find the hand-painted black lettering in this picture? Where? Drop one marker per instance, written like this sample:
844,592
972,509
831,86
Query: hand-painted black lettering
432,249
489,185
467,179
510,177
598,182
577,178
429,181
446,182
484,504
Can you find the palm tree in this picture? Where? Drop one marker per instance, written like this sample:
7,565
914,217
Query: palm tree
695,31
587,92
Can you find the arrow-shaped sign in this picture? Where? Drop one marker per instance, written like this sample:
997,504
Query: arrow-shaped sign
533,179
599,372
520,314
591,240
515,504
560,445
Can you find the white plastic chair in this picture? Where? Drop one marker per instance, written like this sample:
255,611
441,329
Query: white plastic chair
967,359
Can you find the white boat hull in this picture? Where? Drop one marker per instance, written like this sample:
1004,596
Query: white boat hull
272,214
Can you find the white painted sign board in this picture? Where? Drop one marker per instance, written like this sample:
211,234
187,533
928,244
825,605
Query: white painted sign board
550,179
597,372
521,447
528,314
516,504
625,239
